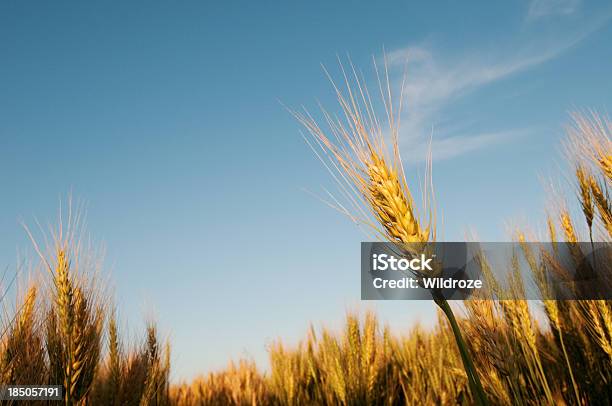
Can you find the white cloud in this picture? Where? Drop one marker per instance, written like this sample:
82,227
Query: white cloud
451,147
433,82
545,8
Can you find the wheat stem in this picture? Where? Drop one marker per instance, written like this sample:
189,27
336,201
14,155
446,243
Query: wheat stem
468,364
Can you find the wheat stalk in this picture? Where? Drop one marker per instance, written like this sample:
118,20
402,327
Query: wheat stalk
64,308
373,180
74,329
115,360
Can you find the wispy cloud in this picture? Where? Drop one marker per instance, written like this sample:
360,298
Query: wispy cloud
546,8
450,147
433,82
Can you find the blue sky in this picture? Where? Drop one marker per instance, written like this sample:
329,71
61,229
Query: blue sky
165,119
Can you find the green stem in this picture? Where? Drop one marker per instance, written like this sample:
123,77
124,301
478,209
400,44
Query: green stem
470,369
569,367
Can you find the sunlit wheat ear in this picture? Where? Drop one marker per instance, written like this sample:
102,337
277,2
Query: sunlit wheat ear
602,202
79,339
392,204
64,298
157,369
64,303
586,200
591,138
370,175
569,233
568,227
599,318
74,329
115,359
552,232
21,350
26,316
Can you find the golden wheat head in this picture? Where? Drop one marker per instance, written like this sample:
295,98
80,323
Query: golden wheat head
370,176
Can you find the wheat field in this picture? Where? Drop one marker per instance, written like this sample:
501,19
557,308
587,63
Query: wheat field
482,351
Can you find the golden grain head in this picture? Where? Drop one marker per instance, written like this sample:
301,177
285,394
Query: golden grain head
586,200
602,203
590,140
370,175
27,312
568,227
392,204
